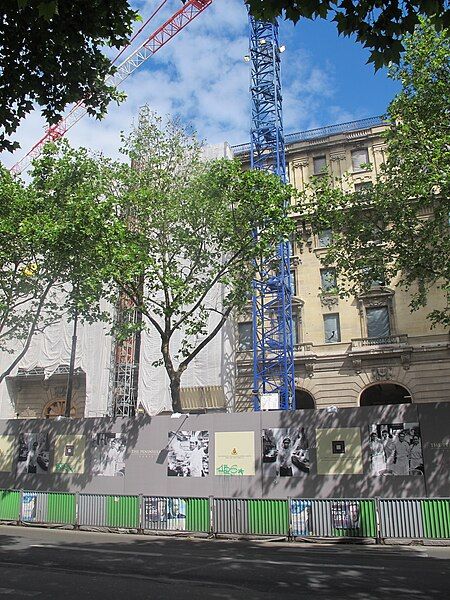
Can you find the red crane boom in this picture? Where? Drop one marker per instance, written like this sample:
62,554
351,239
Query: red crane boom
160,37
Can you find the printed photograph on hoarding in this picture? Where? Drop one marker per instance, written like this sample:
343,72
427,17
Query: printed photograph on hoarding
33,453
169,513
285,452
6,452
29,500
69,454
395,449
108,455
345,514
234,453
339,451
188,454
301,517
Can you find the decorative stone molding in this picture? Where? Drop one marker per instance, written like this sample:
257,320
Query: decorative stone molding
379,148
379,296
309,366
405,359
336,157
304,347
357,364
28,413
305,236
295,261
300,163
382,373
329,300
362,133
390,340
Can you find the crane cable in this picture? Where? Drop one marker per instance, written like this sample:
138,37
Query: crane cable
143,26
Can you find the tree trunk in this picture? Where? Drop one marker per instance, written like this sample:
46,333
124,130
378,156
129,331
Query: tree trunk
175,380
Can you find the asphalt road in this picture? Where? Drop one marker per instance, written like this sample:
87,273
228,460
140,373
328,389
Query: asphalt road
69,565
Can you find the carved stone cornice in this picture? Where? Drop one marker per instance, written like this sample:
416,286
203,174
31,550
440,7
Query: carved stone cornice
337,156
375,298
379,148
299,163
329,300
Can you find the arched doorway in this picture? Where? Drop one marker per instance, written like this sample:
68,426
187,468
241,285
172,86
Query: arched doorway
303,399
385,393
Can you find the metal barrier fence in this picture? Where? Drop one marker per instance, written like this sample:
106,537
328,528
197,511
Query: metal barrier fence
380,518
354,517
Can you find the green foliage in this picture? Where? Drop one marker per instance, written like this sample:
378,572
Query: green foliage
401,225
51,54
190,252
52,244
379,26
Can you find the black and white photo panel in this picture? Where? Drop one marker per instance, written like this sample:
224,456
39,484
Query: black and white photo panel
395,449
33,453
188,454
108,454
285,452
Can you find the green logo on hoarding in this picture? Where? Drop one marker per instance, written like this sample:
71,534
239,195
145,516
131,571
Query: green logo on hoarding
227,470
63,468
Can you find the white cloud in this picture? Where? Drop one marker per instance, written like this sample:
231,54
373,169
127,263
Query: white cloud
200,76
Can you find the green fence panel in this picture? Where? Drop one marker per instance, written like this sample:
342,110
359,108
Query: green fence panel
60,508
268,517
122,511
9,505
367,521
436,518
197,514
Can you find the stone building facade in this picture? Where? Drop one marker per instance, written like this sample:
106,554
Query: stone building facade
357,351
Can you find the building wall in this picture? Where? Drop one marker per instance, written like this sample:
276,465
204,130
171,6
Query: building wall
416,357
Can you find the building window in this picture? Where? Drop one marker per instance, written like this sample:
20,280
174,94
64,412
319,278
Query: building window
324,238
295,332
291,242
378,324
320,165
293,283
374,276
360,158
328,280
245,336
332,328
363,185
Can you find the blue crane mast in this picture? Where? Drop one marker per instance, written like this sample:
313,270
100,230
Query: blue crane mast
273,356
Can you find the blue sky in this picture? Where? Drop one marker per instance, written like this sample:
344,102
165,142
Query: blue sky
200,76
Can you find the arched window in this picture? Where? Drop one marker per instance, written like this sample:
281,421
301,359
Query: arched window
303,399
385,393
57,408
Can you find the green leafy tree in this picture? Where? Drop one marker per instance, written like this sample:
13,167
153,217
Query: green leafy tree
379,26
400,227
52,240
52,55
187,257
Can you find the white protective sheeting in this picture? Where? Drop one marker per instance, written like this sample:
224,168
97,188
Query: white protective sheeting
212,366
52,348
